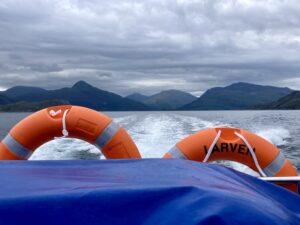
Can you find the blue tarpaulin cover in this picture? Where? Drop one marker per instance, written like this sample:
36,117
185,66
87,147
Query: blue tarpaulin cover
148,191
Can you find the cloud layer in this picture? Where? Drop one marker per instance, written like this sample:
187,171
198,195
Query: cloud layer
145,46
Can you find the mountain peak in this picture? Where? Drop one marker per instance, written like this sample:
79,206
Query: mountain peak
243,85
81,84
137,97
169,99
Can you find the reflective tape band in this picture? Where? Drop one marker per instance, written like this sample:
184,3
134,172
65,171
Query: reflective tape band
106,135
16,148
176,153
273,168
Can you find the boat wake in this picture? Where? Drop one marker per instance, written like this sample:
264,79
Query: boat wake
278,136
154,134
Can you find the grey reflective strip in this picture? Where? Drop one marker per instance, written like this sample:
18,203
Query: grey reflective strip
176,153
273,168
16,148
106,135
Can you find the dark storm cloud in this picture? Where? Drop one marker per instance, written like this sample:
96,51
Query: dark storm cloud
145,46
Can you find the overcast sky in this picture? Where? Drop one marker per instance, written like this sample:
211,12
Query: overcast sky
146,46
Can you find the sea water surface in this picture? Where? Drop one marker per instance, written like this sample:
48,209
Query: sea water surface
156,132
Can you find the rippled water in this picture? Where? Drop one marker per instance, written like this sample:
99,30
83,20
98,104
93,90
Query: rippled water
156,132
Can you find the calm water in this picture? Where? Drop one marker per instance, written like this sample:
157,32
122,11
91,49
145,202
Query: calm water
156,132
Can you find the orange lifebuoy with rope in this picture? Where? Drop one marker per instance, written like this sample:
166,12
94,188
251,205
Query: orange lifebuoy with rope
236,145
67,121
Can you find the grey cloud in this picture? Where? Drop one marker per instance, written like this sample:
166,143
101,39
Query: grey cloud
41,67
145,46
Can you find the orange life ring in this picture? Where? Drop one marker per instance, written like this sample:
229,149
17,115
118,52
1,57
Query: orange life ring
72,121
230,145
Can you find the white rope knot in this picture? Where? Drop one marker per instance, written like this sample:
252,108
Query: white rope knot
210,150
64,131
54,113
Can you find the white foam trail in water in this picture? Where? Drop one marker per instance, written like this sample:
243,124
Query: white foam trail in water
126,121
156,133
66,148
277,136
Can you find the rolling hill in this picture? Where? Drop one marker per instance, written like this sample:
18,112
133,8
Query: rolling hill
237,96
165,100
291,101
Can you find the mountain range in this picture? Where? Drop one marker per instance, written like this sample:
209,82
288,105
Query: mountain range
237,96
81,93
